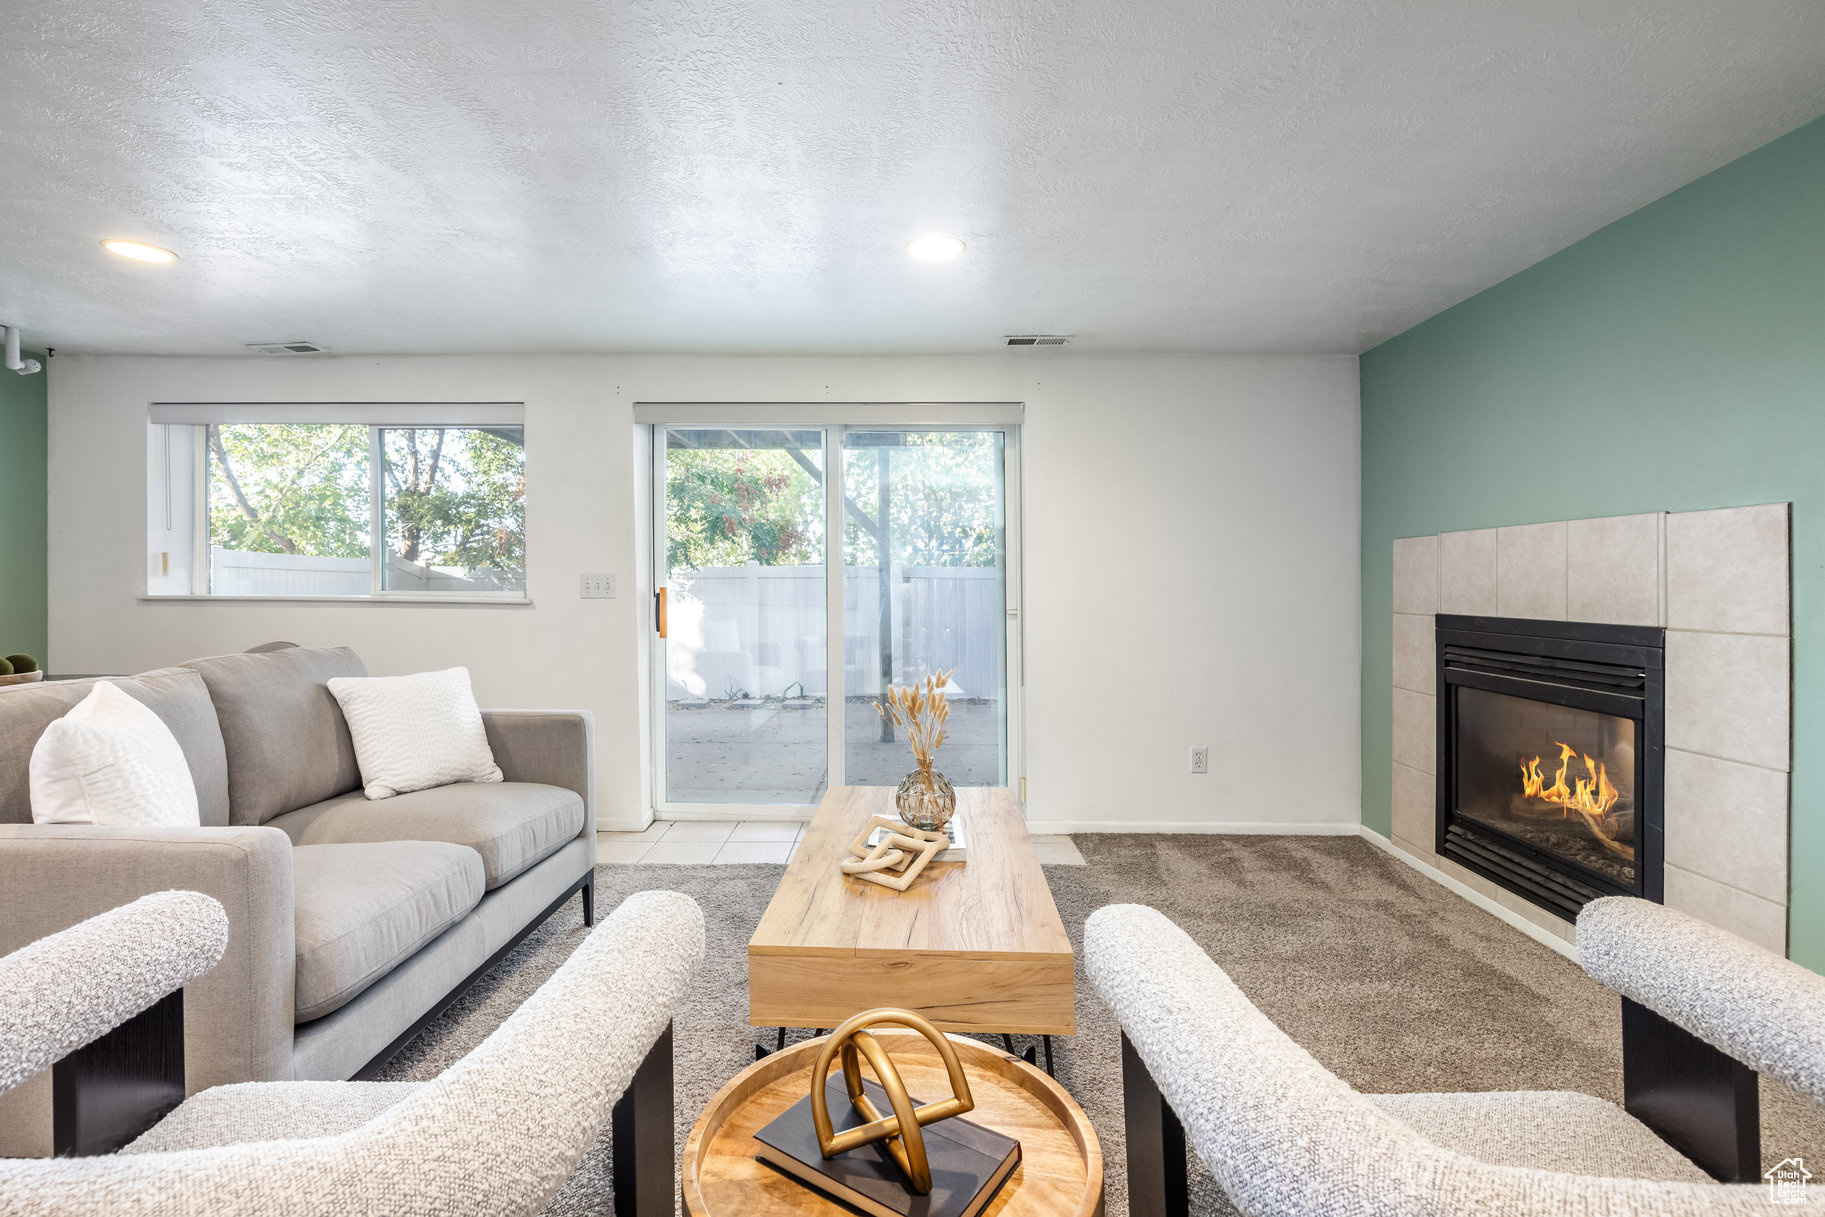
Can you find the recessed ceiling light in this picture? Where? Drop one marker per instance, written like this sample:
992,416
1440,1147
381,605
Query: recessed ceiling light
139,251
935,249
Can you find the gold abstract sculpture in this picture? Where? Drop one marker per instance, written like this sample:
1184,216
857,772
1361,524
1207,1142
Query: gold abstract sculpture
903,1130
899,856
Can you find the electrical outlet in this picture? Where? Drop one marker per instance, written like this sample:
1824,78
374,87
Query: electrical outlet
598,587
1200,760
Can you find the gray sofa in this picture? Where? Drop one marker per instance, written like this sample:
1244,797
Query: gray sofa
351,922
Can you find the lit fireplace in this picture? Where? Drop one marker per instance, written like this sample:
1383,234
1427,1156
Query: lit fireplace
1550,756
1594,799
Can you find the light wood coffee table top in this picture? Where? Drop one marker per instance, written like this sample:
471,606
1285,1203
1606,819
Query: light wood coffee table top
1061,1165
975,946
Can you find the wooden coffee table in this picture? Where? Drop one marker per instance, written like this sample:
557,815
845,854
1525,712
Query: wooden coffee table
975,946
1061,1165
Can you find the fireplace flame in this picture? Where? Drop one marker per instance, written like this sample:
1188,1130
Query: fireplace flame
1591,797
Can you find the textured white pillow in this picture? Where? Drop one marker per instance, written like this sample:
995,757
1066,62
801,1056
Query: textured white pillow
111,760
415,732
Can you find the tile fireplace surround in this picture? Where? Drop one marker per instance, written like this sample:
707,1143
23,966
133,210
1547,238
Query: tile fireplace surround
1718,581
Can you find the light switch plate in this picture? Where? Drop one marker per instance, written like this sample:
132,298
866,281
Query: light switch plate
598,587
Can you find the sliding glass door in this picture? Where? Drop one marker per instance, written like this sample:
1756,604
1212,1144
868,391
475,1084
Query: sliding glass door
803,568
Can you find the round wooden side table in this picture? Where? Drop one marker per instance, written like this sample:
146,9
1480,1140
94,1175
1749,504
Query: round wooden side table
1061,1165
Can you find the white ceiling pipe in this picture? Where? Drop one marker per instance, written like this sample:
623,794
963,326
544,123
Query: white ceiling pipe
25,367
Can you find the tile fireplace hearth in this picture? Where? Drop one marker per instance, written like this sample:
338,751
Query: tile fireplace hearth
1715,586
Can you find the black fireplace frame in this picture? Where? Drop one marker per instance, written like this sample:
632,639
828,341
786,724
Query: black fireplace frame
1546,661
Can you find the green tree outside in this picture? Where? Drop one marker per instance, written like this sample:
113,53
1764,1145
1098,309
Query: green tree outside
452,496
289,488
728,506
456,497
941,497
732,506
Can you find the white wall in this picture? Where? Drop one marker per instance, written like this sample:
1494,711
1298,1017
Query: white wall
1223,488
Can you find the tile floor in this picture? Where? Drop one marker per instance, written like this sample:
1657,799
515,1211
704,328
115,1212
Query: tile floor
694,842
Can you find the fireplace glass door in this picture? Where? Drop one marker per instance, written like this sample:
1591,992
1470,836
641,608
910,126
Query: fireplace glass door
1560,779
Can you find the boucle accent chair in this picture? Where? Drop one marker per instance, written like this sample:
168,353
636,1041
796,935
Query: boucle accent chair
1702,1012
1284,1137
352,921
66,991
497,1133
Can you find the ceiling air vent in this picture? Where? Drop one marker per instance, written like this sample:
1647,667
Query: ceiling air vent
1037,340
287,348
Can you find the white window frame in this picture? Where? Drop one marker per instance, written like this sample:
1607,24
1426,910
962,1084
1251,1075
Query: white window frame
377,417
835,420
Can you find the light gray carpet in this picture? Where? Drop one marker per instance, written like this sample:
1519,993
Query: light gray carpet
1388,979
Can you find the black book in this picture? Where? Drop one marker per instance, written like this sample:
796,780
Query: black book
969,1163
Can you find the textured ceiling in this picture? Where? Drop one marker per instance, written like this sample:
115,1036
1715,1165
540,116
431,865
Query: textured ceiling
557,175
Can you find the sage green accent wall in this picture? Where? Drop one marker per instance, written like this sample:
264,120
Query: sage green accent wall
22,518
1673,361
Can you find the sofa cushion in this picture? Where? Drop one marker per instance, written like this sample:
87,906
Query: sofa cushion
176,695
286,743
362,910
510,824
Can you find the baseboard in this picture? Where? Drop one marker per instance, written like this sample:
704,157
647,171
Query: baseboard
1049,828
1542,936
1041,828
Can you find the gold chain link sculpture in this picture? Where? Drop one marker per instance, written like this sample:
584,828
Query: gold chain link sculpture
903,1130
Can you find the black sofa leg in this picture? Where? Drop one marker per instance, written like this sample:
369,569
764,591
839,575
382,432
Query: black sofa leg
1157,1184
640,1136
1702,1102
589,899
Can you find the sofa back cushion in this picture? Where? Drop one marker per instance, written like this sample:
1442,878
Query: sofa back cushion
176,695
286,742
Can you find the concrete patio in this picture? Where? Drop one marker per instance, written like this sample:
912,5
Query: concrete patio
773,752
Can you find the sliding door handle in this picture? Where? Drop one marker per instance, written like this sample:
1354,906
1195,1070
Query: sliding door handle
659,611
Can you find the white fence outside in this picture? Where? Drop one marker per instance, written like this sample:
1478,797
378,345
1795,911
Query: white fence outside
234,572
759,630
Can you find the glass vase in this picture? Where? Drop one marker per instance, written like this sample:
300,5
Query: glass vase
930,809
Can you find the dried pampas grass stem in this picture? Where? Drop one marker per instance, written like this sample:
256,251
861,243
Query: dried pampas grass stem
921,711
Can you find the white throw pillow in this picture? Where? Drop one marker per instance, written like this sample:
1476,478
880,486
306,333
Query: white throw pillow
415,732
111,760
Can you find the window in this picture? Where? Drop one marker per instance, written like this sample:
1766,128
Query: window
321,502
